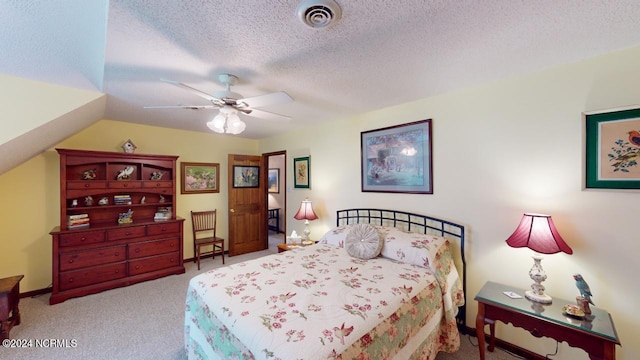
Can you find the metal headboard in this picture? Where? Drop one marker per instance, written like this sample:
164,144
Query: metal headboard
419,224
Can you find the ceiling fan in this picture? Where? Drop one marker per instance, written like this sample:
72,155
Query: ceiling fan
230,104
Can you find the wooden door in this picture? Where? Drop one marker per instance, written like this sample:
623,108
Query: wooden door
247,204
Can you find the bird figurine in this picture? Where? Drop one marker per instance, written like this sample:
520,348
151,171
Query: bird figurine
583,287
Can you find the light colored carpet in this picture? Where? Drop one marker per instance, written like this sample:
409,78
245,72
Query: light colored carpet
142,321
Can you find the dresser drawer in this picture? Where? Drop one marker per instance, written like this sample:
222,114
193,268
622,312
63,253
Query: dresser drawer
152,264
164,228
124,184
151,248
81,259
86,184
128,232
81,238
90,276
157,184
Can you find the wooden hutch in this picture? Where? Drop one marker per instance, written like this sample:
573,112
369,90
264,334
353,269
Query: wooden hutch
117,222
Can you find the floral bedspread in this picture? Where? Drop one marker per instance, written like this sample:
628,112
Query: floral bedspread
317,302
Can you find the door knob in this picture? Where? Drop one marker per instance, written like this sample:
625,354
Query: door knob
232,210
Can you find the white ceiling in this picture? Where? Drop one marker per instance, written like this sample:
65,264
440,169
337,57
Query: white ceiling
380,53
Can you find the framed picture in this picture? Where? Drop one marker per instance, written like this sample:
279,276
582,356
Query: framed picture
198,178
613,149
301,172
397,159
273,178
246,176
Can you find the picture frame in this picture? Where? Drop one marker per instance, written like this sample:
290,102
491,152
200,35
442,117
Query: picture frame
398,159
199,178
246,176
612,149
273,181
302,172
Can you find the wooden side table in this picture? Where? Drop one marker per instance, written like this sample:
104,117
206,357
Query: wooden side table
9,299
595,334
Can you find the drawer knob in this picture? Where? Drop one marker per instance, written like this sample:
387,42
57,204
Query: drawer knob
137,267
125,185
70,261
117,271
117,254
71,280
158,184
137,250
86,185
127,234
83,238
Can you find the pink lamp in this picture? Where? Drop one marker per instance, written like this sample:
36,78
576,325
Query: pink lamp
538,233
306,213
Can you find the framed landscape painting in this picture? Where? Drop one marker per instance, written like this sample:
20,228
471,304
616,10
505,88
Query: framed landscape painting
612,149
198,178
397,159
273,178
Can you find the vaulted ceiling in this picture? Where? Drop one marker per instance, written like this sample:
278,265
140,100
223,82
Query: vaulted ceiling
377,54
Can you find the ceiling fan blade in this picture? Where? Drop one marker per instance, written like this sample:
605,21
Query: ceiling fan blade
192,107
193,90
266,115
275,98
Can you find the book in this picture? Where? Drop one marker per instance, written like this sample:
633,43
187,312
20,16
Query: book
78,216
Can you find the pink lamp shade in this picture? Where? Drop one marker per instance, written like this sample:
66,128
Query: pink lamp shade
306,211
538,233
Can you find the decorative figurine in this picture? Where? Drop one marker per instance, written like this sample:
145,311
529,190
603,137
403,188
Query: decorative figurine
143,200
88,201
585,294
103,201
89,174
74,203
157,175
125,218
125,174
161,199
129,147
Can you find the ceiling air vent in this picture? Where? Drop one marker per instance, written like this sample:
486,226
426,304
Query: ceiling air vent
319,13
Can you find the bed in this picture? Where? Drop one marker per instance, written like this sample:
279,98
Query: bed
329,301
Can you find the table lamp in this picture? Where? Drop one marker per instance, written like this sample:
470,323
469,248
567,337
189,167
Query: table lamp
538,233
306,213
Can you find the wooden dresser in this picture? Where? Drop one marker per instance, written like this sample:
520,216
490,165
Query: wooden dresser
102,252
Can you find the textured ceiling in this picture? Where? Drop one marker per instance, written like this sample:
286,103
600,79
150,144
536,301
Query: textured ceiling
380,53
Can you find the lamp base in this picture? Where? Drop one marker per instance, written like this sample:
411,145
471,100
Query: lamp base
539,298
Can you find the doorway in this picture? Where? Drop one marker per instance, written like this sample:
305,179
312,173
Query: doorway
276,196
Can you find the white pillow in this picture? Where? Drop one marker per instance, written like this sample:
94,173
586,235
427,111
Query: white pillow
363,241
413,248
336,236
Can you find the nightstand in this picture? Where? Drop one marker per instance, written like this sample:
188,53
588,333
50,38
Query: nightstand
595,334
9,300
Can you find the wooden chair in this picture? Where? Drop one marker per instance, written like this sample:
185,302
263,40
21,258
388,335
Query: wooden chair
204,234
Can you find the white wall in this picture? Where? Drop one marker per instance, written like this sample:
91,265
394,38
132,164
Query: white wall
500,150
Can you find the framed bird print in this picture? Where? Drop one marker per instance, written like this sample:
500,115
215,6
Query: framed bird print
302,172
397,159
612,156
246,176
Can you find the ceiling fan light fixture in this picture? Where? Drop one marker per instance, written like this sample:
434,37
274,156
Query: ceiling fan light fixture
217,123
235,125
227,122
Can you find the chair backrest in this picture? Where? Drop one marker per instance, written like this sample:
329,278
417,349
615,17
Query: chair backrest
203,221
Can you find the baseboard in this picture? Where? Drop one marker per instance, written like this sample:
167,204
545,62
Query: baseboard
35,293
508,347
